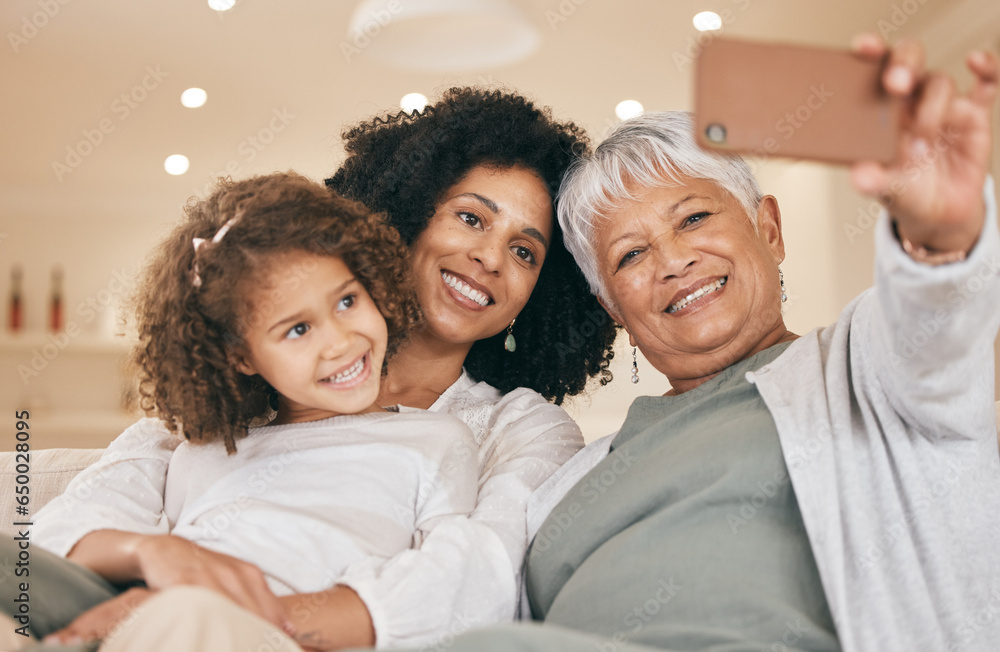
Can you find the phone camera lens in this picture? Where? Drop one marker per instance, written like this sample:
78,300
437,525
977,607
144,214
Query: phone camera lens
716,133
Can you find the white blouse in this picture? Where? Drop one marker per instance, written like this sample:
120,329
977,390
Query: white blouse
466,573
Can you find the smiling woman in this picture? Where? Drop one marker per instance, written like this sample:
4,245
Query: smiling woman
470,184
419,167
478,260
806,481
717,312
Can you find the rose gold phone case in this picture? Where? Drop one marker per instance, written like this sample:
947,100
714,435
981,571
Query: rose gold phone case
803,102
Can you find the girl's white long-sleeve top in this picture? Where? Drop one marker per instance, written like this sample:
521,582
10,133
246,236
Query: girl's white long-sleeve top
301,501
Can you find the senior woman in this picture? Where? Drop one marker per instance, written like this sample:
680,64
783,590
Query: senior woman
838,490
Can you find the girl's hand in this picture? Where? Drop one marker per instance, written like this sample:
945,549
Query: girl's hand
934,188
166,560
99,622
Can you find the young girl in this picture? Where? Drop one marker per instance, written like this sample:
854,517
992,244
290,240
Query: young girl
263,321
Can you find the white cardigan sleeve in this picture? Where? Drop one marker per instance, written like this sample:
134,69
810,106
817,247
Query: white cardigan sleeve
123,490
933,329
465,573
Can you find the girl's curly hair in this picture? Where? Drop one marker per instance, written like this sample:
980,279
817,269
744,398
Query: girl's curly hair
402,164
190,331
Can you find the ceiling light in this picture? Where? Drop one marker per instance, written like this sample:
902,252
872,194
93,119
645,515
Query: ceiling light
413,102
192,98
707,21
222,5
440,36
628,109
176,164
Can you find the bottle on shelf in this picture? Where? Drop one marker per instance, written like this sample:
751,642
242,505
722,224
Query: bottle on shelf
16,318
55,303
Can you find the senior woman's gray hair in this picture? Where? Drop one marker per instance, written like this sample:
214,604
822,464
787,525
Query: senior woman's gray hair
649,151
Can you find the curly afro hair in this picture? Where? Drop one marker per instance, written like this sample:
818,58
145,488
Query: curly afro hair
402,164
193,307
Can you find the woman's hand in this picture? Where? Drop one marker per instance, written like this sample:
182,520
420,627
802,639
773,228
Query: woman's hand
163,560
99,622
934,188
166,560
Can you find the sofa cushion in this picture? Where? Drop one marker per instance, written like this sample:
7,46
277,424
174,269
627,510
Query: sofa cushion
50,471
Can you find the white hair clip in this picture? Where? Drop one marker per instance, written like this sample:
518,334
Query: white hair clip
198,242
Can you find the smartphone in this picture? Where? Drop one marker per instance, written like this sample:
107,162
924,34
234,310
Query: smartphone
767,99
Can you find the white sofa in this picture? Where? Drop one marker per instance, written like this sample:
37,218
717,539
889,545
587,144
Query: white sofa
52,469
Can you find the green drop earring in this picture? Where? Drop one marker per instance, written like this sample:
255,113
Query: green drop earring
510,344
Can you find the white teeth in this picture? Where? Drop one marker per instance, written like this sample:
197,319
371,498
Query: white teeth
697,294
350,374
465,290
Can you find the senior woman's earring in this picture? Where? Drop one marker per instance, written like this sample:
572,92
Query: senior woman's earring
635,368
510,344
781,277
